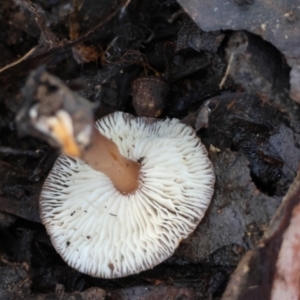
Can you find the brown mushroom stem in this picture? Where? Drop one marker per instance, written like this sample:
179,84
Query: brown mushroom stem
103,155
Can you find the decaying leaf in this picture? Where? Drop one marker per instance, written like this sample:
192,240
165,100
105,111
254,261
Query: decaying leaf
275,21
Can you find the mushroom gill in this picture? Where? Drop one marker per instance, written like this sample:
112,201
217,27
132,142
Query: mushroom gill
105,233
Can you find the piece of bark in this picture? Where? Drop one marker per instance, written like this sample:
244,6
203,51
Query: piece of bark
255,273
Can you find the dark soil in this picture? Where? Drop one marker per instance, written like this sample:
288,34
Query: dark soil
147,58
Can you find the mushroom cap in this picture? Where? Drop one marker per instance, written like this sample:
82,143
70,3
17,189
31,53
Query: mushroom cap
103,233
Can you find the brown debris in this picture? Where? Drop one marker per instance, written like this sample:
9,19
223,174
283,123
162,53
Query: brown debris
15,280
48,46
93,293
149,96
154,293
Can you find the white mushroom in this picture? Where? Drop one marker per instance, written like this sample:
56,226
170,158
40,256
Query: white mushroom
104,232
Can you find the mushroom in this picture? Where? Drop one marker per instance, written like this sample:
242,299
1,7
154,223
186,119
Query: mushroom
122,203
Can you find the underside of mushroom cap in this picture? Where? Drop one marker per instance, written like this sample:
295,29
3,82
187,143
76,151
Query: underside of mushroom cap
103,233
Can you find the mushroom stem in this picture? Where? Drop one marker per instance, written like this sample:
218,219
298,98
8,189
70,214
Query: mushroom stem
103,155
